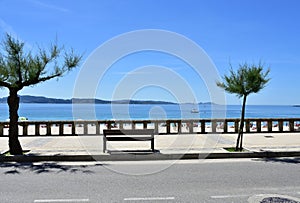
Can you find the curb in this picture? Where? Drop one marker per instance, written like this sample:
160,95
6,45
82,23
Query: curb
147,157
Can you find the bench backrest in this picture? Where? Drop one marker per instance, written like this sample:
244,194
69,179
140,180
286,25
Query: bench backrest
128,132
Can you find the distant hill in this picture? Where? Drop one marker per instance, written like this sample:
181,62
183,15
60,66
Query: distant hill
39,99
35,99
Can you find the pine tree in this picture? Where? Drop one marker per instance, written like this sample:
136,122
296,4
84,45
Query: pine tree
19,69
246,80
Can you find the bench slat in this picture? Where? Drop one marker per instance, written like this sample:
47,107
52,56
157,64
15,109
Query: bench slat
129,138
128,132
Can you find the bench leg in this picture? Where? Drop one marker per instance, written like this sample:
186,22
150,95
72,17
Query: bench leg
152,145
104,144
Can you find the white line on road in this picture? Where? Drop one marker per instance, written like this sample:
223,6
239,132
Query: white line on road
148,198
228,196
60,200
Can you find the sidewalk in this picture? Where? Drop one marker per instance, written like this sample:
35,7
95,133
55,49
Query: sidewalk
182,146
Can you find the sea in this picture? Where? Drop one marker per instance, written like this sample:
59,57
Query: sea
61,112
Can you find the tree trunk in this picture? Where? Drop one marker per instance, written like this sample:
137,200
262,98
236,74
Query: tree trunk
239,143
13,104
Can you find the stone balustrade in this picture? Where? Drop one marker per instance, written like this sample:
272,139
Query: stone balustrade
202,126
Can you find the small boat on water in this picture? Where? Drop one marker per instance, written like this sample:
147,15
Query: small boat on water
194,111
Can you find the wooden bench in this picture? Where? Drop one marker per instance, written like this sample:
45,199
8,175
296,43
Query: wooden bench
128,135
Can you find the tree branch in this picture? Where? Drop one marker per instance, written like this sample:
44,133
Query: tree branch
15,52
4,84
38,80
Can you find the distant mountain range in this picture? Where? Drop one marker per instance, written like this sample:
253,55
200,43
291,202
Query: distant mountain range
39,99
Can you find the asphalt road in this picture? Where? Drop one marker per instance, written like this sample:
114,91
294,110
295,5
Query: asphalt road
156,181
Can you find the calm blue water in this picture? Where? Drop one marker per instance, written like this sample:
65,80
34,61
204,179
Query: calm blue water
105,112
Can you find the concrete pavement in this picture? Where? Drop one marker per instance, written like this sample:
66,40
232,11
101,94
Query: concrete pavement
176,146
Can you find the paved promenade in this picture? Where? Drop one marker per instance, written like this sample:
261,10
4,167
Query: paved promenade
166,145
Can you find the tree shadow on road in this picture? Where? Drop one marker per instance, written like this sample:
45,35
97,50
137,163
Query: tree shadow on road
42,168
287,160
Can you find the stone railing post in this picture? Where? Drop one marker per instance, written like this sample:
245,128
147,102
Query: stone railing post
61,128
280,125
85,128
49,129
236,126
291,125
270,125
121,125
25,129
156,131
258,126
108,123
247,125
203,128
1,129
225,126
97,128
73,128
145,124
179,127
213,126
191,127
168,127
37,128
133,125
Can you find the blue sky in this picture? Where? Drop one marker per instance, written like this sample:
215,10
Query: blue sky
229,31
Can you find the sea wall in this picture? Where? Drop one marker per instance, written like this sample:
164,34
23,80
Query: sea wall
202,126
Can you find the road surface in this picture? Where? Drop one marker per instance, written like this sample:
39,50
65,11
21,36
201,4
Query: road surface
156,181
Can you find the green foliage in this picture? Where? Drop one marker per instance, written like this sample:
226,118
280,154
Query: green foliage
248,79
233,149
7,153
19,69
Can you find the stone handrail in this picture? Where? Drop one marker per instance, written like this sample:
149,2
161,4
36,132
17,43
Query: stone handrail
189,126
